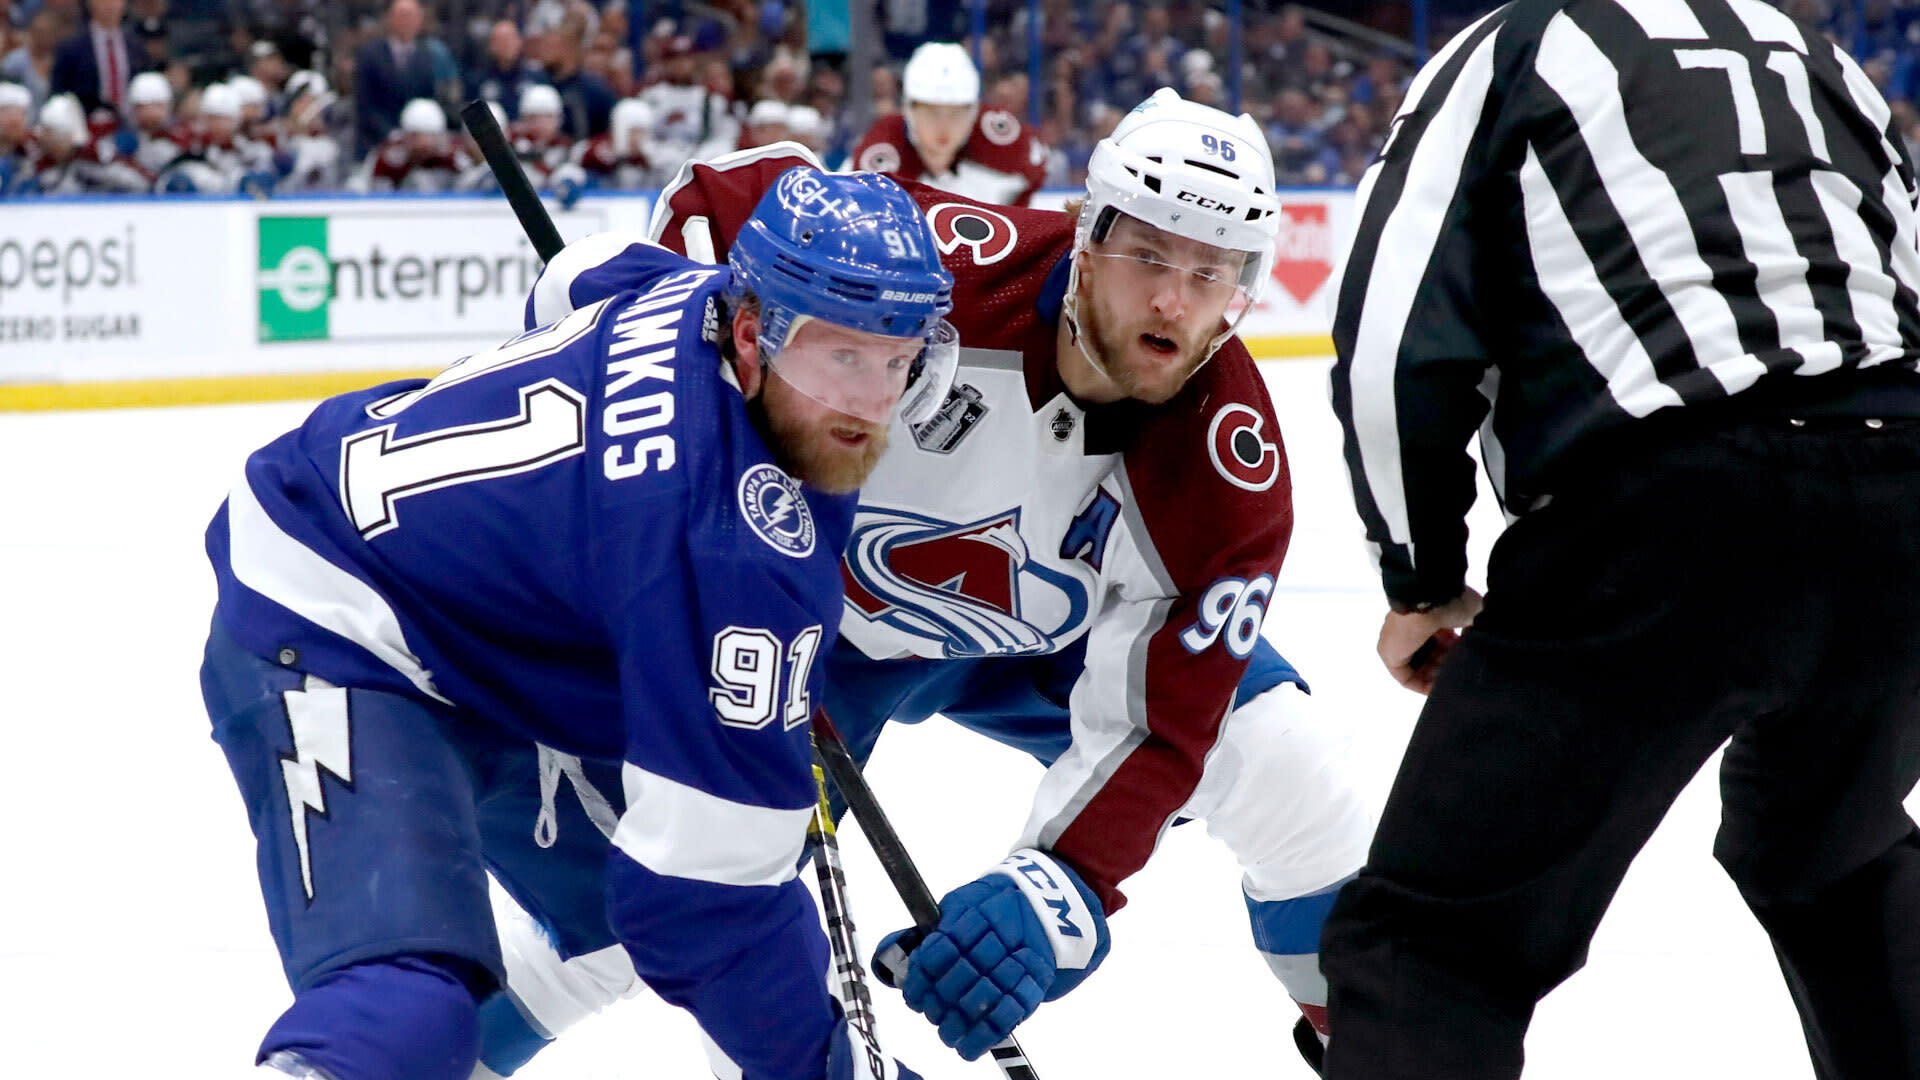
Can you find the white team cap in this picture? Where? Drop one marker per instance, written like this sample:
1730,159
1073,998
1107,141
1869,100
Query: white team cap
149,88
805,120
15,96
940,73
423,116
251,91
539,100
220,100
767,111
63,114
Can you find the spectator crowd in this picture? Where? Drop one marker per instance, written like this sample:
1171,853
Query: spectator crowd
285,96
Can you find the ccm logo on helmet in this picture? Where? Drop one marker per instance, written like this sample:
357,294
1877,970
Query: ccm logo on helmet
989,234
1239,454
1205,203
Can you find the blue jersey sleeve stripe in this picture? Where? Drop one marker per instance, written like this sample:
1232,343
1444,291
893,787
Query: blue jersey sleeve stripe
675,830
264,558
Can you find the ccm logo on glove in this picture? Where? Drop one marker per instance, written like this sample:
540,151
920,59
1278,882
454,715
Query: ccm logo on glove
1047,887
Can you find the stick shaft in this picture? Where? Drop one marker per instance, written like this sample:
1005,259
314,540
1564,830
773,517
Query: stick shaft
922,907
526,204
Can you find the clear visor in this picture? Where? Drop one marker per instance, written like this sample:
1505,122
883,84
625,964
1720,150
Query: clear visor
1207,285
867,376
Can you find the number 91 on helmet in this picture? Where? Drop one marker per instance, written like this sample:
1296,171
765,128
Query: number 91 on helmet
853,251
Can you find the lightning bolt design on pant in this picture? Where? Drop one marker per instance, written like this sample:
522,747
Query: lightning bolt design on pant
317,716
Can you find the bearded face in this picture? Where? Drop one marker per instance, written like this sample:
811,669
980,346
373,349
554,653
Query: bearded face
1149,304
821,447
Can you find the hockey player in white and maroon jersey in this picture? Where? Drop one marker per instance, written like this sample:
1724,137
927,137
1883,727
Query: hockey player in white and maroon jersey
536,137
154,138
618,158
1092,593
417,157
943,138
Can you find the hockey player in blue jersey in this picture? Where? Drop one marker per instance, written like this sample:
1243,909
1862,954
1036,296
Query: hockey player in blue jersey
617,536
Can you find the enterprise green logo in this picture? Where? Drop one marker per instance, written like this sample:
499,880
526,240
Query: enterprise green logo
295,278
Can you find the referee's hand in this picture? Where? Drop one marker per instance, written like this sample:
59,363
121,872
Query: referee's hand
1413,644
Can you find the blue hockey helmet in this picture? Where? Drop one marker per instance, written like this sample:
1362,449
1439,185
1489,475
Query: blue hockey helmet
853,250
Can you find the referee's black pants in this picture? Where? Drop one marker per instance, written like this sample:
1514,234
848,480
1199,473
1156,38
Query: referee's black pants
1759,583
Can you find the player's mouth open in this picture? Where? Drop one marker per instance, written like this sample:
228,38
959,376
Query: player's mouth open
849,436
1159,346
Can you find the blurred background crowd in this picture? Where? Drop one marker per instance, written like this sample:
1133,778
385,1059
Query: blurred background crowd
284,96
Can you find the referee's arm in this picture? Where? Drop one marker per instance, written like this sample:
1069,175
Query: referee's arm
1407,383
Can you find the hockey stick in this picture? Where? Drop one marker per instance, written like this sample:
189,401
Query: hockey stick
534,219
922,908
855,999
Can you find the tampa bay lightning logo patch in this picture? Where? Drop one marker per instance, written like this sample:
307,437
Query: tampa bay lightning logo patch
775,511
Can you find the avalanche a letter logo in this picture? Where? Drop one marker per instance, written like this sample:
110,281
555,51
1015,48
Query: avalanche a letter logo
775,511
971,589
1239,453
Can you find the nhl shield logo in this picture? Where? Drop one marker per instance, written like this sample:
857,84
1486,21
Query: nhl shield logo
943,431
775,510
1061,425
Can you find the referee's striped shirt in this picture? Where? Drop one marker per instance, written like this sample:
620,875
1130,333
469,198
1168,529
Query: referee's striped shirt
1589,211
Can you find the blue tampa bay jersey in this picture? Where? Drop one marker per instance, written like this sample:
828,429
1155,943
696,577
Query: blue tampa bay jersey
580,538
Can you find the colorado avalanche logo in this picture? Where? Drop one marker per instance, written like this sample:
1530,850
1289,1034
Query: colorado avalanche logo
971,589
1239,453
989,233
999,126
880,157
775,511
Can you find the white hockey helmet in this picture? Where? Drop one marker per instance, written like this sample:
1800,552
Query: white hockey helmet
631,125
250,90
62,114
539,100
15,96
940,73
423,116
306,82
149,88
767,111
805,121
220,100
1193,171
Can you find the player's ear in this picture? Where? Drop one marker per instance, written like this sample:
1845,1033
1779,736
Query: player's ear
747,368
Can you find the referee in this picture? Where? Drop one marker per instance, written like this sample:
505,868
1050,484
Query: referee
1660,255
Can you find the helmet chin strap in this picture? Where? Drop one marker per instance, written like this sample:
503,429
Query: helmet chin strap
1069,311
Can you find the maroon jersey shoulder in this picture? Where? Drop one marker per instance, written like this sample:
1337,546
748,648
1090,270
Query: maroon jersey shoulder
999,257
1002,143
886,149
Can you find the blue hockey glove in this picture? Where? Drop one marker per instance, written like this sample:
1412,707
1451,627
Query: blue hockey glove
177,182
569,183
1027,931
848,1059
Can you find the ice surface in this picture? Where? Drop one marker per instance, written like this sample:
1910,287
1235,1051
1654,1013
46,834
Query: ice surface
131,927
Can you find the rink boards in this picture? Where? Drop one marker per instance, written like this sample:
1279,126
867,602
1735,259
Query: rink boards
176,301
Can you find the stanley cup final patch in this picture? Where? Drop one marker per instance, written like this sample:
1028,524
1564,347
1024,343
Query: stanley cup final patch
771,502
